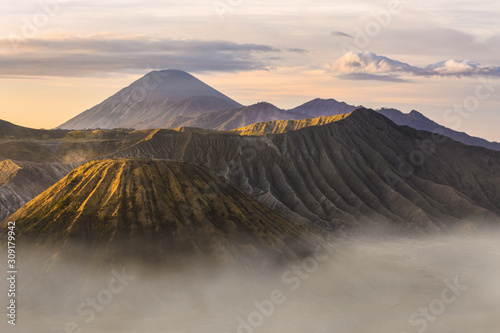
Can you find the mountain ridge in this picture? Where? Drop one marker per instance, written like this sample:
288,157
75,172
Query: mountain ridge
282,126
419,121
319,107
346,172
226,120
174,98
288,170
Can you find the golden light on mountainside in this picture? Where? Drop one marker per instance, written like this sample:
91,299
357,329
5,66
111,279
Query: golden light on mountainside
177,208
232,166
282,126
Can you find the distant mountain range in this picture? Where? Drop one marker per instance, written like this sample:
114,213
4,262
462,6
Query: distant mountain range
173,98
224,120
228,181
323,107
418,121
334,172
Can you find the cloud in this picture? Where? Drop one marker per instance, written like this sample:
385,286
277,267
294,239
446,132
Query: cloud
369,63
340,34
296,50
461,68
370,66
106,54
374,77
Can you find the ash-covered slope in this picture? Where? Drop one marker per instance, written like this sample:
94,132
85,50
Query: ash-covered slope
8,170
152,101
361,169
33,160
158,210
22,181
356,171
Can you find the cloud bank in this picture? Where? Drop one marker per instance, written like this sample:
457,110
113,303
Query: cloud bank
104,54
370,66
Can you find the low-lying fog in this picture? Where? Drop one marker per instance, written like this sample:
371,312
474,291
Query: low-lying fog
432,284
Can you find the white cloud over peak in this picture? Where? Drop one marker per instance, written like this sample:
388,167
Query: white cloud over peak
370,66
461,68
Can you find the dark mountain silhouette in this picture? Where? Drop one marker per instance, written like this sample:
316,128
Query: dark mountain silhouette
418,121
225,120
323,107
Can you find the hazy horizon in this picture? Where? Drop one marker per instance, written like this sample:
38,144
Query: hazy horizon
59,58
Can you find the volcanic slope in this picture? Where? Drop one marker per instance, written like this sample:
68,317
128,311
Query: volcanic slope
32,160
361,170
152,101
22,181
159,210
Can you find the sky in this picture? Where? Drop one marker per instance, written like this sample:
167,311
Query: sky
440,57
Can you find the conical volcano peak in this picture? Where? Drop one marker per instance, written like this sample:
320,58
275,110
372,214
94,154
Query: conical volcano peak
175,84
171,72
166,76
152,102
